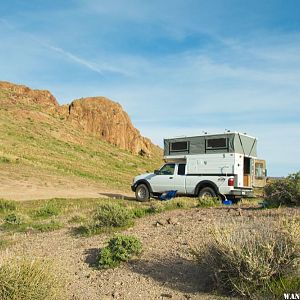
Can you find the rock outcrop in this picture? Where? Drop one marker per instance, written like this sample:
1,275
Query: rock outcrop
106,120
20,94
97,116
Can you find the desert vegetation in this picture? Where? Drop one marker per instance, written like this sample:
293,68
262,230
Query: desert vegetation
246,250
284,192
253,260
23,279
119,249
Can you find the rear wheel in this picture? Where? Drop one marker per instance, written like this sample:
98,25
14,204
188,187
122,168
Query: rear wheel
206,193
142,193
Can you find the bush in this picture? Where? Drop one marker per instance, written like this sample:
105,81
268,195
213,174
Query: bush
6,205
283,192
25,279
49,210
209,202
255,260
120,249
112,215
106,218
14,219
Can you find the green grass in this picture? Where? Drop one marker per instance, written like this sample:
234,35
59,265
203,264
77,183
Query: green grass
6,205
84,216
51,145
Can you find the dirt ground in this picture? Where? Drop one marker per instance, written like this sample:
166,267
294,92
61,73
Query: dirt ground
165,270
22,185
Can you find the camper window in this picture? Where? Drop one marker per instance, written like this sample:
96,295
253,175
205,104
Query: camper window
220,143
179,146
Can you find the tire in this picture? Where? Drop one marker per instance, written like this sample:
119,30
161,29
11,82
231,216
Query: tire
207,192
142,193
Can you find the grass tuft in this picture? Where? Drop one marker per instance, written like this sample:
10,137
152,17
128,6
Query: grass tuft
29,279
6,205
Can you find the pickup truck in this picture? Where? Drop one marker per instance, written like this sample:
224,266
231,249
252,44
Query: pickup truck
173,176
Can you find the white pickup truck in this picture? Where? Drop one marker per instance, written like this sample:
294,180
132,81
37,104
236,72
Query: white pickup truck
199,171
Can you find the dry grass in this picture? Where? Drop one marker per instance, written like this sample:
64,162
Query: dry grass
30,279
253,258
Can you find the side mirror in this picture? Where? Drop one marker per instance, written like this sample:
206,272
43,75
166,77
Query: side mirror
156,172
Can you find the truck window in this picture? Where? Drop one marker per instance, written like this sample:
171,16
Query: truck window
167,169
181,169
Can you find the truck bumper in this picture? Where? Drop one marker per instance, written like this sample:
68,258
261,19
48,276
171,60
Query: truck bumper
242,193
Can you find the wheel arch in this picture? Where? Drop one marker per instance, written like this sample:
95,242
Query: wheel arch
206,183
144,181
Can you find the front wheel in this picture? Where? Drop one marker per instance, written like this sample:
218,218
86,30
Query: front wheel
142,193
206,193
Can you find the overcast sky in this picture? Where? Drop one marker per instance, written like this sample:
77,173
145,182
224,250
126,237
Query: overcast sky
178,67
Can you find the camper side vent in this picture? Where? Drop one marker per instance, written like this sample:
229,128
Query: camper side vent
179,147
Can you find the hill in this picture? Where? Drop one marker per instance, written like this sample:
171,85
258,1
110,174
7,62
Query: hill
90,143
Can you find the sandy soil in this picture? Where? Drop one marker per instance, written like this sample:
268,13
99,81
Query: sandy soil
165,269
22,186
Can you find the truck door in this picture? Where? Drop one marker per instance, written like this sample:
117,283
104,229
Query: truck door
164,179
179,179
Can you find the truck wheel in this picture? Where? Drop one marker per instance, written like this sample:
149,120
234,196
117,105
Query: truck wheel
207,192
142,193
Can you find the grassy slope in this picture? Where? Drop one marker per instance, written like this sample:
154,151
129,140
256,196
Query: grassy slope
32,139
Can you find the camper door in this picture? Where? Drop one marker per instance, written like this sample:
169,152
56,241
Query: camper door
260,173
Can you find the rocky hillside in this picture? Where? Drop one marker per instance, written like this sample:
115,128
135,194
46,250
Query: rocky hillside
99,116
92,138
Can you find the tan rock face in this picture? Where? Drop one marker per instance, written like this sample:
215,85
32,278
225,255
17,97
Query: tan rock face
97,116
20,94
106,120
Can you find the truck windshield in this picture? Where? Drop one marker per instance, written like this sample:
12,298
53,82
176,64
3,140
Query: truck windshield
167,169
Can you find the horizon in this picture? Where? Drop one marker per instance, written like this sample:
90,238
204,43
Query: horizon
177,67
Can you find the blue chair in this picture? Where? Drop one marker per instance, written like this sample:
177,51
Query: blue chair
167,195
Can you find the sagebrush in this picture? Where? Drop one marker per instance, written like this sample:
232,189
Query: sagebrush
120,249
284,191
254,258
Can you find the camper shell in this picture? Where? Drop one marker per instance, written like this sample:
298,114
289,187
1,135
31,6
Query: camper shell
229,153
231,142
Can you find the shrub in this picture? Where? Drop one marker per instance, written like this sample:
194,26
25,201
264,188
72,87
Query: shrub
209,202
26,279
112,215
49,210
120,249
6,205
253,260
13,219
46,227
107,217
283,192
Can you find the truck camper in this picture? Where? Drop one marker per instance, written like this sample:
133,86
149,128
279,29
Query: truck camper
210,165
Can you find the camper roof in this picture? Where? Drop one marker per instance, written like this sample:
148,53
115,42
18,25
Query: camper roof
210,135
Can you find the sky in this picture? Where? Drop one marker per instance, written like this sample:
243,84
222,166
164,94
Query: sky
178,67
